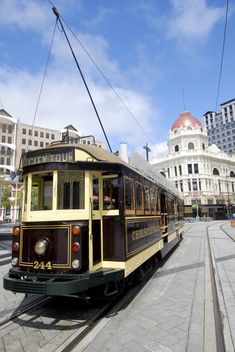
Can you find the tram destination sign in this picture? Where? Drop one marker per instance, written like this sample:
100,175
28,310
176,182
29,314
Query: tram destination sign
58,155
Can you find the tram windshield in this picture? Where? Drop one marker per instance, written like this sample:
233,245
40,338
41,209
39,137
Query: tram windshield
70,190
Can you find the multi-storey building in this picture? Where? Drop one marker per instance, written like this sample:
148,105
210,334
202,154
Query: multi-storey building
204,174
221,127
7,142
17,138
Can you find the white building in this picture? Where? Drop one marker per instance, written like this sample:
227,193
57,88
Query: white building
205,175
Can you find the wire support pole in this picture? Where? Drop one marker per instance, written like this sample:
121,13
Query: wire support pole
222,55
80,71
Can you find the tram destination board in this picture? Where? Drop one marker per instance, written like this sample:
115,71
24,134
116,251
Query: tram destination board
65,155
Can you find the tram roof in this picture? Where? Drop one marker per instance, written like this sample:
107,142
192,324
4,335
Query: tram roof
136,162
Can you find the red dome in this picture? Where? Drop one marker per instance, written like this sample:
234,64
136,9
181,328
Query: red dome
185,119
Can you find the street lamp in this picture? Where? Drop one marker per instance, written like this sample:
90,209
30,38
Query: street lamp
228,196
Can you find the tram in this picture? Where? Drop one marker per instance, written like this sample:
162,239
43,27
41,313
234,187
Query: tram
89,220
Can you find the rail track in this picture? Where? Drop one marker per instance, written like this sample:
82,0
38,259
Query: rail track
223,335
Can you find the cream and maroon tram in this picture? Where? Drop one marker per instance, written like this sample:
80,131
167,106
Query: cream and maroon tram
88,219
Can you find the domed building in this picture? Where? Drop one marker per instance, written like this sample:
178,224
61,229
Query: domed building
204,175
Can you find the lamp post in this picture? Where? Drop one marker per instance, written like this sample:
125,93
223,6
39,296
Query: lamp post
227,184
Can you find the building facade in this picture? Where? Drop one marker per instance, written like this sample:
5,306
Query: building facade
204,174
17,138
221,127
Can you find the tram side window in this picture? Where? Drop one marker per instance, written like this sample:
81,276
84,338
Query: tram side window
41,192
157,200
146,199
129,194
152,200
139,196
110,193
26,192
70,191
95,186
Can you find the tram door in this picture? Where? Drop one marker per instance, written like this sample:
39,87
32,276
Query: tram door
95,250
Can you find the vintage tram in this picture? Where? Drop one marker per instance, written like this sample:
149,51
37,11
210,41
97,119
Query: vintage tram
89,219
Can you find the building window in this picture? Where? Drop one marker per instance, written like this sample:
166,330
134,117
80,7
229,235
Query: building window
196,168
23,141
232,174
203,146
8,161
47,135
175,171
30,132
52,136
215,172
194,184
190,145
2,160
10,128
41,144
42,134
3,139
9,140
181,186
190,169
36,133
35,143
8,151
176,184
23,130
176,148
4,127
189,184
180,169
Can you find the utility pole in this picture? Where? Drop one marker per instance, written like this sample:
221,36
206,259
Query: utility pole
147,150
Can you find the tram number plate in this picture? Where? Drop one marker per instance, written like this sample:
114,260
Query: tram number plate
42,265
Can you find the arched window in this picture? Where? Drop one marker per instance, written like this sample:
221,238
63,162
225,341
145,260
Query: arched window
215,172
190,145
203,146
176,148
232,174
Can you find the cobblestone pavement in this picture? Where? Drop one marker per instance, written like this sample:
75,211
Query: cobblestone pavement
168,314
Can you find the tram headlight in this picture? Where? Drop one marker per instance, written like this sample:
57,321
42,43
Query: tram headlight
75,264
14,261
41,247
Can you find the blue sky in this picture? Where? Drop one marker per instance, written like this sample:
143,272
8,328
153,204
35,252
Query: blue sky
150,51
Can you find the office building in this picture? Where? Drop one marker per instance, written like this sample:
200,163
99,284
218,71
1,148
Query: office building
221,127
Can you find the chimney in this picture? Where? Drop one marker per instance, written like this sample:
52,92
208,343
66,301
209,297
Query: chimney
123,152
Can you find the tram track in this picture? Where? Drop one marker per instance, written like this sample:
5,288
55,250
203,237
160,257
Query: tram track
21,311
220,255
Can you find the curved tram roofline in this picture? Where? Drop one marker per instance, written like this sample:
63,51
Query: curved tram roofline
88,220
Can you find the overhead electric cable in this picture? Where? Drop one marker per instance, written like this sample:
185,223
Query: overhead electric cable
106,79
43,79
83,78
222,55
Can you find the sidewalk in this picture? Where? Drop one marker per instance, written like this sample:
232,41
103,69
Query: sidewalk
168,314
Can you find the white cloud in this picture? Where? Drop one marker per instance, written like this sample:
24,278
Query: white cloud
193,19
64,99
159,150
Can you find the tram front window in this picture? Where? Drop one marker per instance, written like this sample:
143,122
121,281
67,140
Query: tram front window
41,194
71,189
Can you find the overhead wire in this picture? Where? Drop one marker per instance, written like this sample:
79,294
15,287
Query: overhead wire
222,55
43,80
106,79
